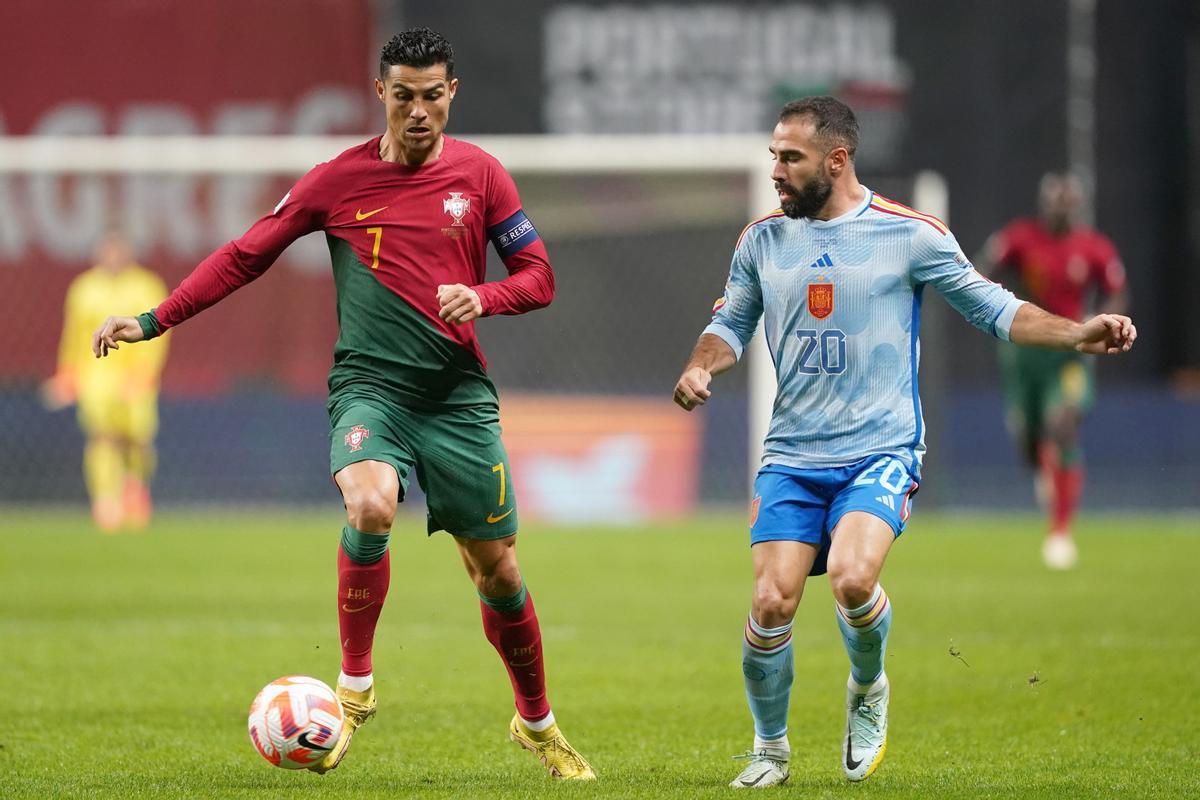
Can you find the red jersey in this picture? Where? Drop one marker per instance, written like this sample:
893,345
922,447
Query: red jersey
409,228
1058,272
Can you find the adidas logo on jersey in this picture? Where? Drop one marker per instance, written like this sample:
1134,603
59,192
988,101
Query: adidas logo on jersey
887,500
823,261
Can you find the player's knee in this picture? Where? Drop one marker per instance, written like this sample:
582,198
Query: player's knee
852,585
497,573
502,579
773,605
370,509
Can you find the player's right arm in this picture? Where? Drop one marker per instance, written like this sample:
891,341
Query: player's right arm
937,260
302,210
735,318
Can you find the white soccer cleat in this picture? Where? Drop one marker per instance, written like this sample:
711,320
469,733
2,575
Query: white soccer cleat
866,729
1058,552
767,767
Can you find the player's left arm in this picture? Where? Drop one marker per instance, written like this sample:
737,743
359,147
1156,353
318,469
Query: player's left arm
1103,334
530,282
938,260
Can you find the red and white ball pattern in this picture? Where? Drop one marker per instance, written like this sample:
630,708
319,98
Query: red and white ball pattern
295,721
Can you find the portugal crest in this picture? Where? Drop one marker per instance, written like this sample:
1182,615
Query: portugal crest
456,206
355,438
820,299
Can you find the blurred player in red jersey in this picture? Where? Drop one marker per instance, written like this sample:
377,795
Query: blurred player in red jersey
1071,270
408,217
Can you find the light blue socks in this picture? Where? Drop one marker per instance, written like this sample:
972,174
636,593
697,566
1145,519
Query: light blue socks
864,631
768,670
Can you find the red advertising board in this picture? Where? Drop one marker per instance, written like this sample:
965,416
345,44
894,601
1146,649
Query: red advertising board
601,459
110,67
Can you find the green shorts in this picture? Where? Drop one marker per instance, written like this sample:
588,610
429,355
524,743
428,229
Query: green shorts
1039,382
457,455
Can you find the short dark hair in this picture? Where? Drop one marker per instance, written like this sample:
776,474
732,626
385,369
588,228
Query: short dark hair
418,47
834,121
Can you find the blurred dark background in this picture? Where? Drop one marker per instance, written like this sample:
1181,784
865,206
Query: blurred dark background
990,96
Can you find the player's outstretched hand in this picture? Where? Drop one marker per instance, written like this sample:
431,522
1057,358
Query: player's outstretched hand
692,389
458,303
1107,334
114,330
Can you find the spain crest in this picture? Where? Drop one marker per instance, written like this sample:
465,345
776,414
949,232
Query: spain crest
456,206
355,438
754,505
820,299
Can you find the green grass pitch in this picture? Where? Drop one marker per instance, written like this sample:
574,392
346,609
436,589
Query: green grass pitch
130,661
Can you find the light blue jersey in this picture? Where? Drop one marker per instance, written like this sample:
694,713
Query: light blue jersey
840,302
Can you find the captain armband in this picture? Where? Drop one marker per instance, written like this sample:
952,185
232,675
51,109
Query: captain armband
513,234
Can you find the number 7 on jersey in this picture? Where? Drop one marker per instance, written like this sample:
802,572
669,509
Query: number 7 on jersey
378,233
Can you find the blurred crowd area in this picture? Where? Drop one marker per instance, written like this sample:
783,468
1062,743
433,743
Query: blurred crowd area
639,257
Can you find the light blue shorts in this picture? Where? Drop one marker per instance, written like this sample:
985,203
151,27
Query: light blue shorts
805,505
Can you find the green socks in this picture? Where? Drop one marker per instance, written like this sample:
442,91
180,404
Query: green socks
506,605
364,548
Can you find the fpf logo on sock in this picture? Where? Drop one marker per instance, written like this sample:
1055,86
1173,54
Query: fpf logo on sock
362,596
523,656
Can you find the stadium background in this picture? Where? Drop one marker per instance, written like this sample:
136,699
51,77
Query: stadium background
980,93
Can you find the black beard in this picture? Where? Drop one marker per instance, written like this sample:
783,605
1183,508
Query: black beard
808,200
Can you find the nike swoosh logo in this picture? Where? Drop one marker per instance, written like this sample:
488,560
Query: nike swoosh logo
493,519
303,740
851,764
360,216
350,610
756,781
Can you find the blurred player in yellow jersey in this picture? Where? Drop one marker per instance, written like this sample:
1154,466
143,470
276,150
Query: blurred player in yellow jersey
118,402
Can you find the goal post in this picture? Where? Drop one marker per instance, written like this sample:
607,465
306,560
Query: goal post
296,154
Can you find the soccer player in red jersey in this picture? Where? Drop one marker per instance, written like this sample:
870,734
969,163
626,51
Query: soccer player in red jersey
1071,270
408,216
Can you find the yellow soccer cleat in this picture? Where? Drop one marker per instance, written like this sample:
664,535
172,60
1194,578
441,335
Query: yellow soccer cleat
553,750
357,707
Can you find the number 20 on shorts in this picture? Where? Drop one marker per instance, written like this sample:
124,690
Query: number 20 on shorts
890,473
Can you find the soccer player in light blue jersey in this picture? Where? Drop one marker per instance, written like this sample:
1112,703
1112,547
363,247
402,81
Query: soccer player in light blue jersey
837,275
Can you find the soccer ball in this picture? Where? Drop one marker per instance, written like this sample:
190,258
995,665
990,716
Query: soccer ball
295,721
